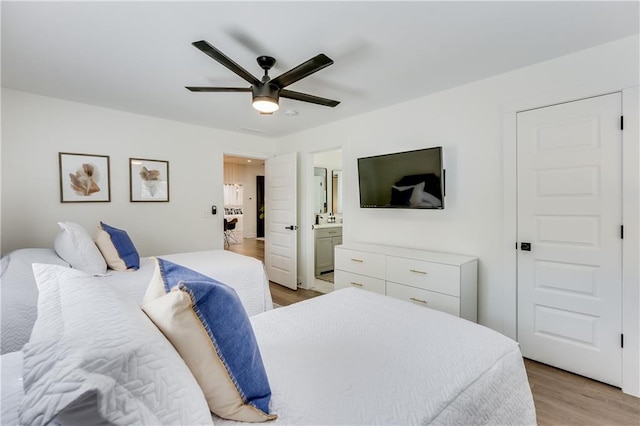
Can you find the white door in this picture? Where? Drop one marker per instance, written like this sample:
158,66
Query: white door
280,220
570,210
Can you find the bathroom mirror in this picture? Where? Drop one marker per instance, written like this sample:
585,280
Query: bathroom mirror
320,184
336,189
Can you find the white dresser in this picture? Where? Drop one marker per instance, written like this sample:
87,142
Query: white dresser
443,281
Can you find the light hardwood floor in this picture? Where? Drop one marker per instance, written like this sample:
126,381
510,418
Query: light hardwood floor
564,398
281,295
561,398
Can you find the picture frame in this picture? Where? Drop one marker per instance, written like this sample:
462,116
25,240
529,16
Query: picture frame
148,180
84,178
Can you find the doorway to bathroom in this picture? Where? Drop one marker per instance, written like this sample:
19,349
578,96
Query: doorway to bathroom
327,228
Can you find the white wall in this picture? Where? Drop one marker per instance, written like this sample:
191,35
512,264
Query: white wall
36,128
467,122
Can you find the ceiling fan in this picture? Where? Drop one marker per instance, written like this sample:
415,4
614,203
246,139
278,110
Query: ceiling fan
266,92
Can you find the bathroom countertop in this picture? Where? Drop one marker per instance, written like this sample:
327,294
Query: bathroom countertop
328,225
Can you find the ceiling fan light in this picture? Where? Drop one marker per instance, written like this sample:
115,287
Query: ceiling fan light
265,98
265,104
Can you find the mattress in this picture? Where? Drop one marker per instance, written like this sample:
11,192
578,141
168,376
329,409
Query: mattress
355,357
20,294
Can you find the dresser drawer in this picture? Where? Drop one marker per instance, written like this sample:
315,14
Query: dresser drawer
360,262
430,299
425,275
328,232
344,279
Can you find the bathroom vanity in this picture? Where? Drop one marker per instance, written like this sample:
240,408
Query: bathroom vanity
327,236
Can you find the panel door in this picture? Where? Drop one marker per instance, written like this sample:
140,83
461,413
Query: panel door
281,220
569,210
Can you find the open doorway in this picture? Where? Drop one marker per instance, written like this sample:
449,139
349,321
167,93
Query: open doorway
243,225
327,228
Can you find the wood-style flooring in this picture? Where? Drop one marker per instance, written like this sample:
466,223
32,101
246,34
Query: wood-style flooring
561,398
564,398
281,295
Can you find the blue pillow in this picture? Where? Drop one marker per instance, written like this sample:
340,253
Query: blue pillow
172,274
118,249
207,324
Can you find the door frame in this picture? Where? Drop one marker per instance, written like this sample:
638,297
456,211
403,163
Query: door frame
630,215
306,245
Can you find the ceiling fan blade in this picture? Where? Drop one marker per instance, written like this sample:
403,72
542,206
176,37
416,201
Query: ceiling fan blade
289,94
225,60
303,70
218,89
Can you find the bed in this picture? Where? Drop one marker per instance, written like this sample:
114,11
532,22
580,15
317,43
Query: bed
348,357
19,293
81,346
353,357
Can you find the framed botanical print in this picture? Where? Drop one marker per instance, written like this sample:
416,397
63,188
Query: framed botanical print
149,180
84,178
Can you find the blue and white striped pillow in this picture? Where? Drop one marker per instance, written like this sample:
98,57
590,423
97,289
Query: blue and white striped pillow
207,324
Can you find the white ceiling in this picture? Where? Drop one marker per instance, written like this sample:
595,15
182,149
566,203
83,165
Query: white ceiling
137,56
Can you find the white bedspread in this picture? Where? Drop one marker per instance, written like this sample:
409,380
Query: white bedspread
11,389
355,357
245,274
19,294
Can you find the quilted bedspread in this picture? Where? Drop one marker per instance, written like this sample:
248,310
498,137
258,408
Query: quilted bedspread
355,357
20,295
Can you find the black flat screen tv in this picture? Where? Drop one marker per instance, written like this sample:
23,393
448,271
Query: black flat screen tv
402,180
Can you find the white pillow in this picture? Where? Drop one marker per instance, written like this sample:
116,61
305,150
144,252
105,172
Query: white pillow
49,324
98,359
74,244
207,324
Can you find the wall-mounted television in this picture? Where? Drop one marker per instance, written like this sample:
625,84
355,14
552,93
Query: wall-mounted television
402,180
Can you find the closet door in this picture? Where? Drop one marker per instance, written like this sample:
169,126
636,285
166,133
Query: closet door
569,242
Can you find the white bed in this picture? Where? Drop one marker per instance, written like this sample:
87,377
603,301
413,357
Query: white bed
11,391
19,294
354,357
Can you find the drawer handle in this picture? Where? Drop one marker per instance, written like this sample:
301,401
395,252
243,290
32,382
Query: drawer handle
357,260
333,232
358,284
419,300
418,272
